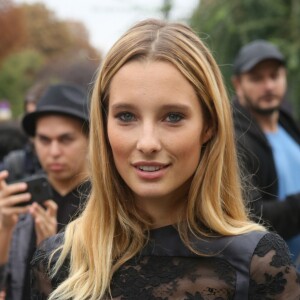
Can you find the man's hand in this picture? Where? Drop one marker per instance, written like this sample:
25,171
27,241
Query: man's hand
2,295
9,197
45,219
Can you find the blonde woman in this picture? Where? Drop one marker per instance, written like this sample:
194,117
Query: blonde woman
165,218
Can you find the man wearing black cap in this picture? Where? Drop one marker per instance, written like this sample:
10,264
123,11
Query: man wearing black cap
59,128
268,139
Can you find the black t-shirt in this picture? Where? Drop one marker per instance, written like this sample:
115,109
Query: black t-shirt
70,205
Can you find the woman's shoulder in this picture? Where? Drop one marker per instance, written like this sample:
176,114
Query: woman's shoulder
245,242
273,242
272,272
237,248
268,245
245,247
42,265
52,242
47,248
167,241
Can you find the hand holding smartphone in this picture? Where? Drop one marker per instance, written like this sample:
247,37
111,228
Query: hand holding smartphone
39,188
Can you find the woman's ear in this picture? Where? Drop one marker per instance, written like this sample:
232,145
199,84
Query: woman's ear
207,134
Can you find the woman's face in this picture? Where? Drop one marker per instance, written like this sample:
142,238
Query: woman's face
155,129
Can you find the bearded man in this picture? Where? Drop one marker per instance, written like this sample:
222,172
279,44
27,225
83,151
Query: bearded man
268,139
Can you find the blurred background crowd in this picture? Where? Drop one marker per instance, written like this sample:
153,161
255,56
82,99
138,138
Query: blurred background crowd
37,46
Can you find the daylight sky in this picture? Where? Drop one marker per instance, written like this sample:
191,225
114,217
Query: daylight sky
106,20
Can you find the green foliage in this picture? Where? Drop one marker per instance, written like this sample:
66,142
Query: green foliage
166,8
48,50
46,33
17,74
229,24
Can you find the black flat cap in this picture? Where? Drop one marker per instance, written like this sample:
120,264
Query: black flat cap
253,53
59,99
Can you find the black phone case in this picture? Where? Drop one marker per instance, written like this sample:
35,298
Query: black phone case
39,188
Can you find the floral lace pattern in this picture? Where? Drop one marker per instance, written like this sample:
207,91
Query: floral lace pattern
272,276
155,277
274,281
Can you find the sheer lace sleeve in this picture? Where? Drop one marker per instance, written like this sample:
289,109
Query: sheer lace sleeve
272,274
41,282
41,285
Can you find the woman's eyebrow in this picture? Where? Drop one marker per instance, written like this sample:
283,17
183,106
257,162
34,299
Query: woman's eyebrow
175,106
121,105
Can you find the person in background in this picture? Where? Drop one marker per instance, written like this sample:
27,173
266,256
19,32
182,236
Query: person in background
12,137
22,161
34,94
59,128
268,139
165,218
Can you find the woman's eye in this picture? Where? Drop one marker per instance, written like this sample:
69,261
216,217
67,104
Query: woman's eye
126,117
174,117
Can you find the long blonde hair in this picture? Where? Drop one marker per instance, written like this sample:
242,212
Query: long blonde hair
111,230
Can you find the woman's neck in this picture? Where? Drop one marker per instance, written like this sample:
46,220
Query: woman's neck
162,211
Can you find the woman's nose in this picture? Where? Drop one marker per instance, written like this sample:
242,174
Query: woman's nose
149,140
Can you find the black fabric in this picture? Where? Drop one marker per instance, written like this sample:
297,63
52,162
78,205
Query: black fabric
21,163
11,137
253,53
166,269
257,162
32,248
70,206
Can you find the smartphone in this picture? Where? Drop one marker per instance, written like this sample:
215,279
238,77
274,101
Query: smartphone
39,188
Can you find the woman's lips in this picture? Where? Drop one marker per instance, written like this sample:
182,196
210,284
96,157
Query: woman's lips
148,170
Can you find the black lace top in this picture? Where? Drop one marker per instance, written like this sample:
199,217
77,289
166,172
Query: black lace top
250,266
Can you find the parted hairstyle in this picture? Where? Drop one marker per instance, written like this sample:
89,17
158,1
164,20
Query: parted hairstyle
111,230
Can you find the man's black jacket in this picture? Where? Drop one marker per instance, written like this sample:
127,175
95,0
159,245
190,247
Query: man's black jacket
257,162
